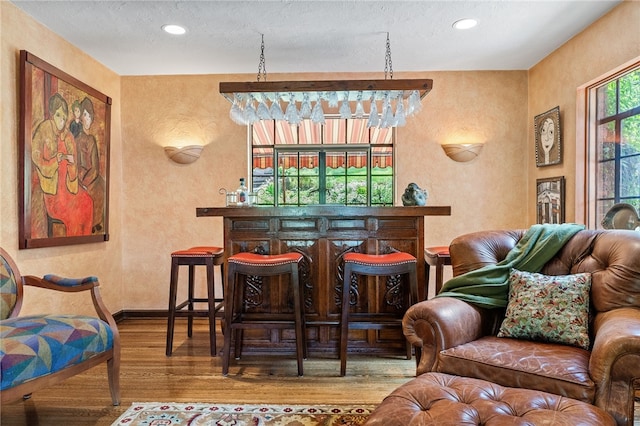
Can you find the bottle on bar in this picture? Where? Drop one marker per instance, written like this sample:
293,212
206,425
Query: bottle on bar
241,193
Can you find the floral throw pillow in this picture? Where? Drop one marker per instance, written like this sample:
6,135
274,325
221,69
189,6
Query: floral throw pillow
547,308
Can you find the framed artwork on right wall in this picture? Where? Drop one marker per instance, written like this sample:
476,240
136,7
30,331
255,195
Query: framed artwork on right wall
547,137
550,200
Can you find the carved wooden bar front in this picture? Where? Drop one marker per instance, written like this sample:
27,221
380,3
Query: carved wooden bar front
323,234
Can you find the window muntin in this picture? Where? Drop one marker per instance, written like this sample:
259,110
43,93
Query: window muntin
617,143
341,162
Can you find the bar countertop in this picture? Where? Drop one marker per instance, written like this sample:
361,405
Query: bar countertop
324,210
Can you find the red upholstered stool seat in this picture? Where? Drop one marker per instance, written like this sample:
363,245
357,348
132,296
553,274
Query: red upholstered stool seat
208,256
437,256
380,260
441,399
198,251
261,260
236,317
388,265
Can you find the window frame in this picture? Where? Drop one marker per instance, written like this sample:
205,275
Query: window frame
323,148
586,144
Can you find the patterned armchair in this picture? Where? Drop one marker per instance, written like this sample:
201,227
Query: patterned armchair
42,350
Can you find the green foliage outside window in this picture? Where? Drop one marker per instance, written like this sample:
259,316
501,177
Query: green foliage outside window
618,141
308,172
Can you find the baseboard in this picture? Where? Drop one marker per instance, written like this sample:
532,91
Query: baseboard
127,314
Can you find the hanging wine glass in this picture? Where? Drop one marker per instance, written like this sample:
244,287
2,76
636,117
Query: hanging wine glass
263,110
374,119
359,108
387,113
333,99
250,115
236,114
305,107
317,113
414,103
291,113
345,109
276,110
400,118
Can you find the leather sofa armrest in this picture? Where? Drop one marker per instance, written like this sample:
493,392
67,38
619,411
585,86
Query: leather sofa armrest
440,323
615,361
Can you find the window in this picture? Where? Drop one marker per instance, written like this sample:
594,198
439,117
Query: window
614,146
341,162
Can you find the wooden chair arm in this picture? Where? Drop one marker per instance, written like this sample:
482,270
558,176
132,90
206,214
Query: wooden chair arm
74,285
68,285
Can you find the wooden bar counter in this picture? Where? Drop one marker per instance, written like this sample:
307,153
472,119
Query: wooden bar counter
323,234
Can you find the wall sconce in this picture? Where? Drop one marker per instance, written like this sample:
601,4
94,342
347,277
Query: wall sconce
183,154
462,152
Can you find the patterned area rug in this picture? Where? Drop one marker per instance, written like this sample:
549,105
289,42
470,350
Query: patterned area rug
165,414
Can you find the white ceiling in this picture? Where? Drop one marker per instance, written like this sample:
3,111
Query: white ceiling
315,36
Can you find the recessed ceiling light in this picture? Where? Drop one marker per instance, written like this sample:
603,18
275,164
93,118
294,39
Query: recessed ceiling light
465,24
174,29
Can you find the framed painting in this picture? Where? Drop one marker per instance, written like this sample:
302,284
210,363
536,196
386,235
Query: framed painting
547,137
63,158
550,200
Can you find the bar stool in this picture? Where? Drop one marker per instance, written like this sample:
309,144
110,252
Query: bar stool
439,257
195,256
397,263
260,265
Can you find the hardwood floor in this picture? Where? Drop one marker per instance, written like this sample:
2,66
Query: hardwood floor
192,375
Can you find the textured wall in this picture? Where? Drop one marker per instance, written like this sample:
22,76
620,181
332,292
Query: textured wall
153,200
160,197
19,31
610,42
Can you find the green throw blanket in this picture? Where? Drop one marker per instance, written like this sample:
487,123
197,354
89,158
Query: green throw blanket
488,287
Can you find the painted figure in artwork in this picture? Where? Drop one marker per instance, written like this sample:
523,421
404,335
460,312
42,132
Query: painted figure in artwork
76,125
547,138
65,203
89,165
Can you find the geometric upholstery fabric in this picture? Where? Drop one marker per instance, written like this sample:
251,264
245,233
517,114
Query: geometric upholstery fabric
34,346
8,289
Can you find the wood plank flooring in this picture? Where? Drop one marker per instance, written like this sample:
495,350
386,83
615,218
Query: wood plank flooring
192,375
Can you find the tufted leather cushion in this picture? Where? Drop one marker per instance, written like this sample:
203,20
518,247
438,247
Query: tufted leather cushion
442,399
550,367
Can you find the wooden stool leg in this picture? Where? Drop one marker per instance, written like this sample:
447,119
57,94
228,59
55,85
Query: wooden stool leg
303,319
427,276
190,306
238,312
413,298
228,317
300,338
173,289
211,299
344,318
439,274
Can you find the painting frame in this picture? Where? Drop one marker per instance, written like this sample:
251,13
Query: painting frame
63,158
550,200
548,139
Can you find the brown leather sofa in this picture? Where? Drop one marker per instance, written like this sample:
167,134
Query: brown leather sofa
455,337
